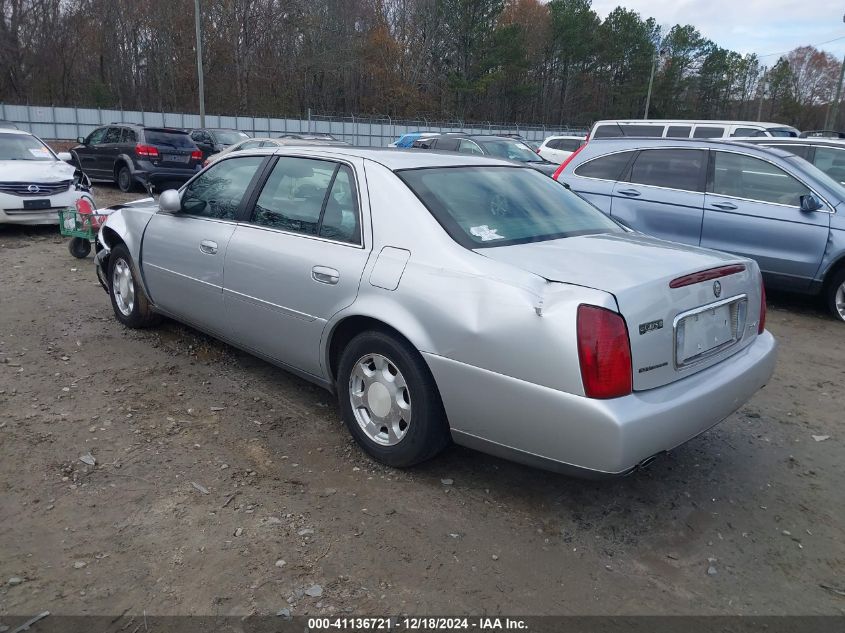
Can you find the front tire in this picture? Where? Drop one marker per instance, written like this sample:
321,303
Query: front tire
79,247
835,296
389,400
124,179
130,303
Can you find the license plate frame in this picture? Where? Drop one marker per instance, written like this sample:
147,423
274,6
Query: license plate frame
37,205
708,330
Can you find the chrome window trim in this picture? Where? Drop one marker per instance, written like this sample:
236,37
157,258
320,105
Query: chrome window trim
830,208
298,234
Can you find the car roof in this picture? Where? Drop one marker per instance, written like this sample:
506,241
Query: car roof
763,124
632,142
9,130
390,157
791,140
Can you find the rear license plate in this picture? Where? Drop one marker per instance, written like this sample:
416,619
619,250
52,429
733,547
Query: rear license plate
706,331
42,203
176,158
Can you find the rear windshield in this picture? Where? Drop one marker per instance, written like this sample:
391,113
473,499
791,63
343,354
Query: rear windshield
511,150
226,137
23,147
169,138
497,206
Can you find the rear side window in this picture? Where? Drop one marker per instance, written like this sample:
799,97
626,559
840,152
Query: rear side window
741,176
747,131
314,197
671,168
168,138
608,167
643,130
799,150
565,144
678,131
704,131
128,136
831,161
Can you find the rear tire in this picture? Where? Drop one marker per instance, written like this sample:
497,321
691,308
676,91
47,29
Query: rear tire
124,179
79,247
835,295
128,300
397,416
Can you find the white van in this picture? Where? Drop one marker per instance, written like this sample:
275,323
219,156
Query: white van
680,128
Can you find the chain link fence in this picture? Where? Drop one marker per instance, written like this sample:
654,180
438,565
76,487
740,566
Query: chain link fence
60,123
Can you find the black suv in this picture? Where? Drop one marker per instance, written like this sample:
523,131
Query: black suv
132,155
488,145
211,140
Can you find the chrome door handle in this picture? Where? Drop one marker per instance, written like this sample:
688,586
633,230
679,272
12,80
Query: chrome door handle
630,192
325,275
208,247
727,206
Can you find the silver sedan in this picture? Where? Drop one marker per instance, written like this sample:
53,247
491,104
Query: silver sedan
449,297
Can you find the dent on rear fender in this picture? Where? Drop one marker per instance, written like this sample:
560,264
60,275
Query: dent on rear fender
834,252
525,330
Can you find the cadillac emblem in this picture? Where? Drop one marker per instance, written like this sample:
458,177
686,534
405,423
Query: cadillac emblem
717,288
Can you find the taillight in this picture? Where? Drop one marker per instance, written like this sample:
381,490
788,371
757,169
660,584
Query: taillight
196,155
568,160
762,323
84,206
146,151
604,353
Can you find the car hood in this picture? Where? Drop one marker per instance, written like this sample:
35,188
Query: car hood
613,262
35,171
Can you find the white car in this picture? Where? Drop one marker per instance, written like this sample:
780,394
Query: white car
35,182
558,148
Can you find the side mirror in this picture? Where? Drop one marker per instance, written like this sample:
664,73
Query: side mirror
80,140
65,156
810,203
169,201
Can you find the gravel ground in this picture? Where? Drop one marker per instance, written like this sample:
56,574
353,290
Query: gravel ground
225,486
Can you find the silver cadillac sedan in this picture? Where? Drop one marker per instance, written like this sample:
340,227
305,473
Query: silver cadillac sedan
449,297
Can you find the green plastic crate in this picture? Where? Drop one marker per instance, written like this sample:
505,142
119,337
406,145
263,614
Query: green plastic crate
72,223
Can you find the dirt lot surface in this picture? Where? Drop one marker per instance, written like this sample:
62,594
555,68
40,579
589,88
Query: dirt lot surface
224,485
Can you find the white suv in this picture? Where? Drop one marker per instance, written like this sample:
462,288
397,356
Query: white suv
558,148
35,182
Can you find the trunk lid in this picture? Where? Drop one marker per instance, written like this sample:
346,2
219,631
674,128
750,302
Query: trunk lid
637,271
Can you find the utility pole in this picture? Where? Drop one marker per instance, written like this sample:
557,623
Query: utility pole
657,51
762,95
833,112
199,62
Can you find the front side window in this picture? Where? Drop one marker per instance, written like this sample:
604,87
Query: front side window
608,167
23,147
741,176
671,168
314,197
113,135
498,206
96,137
217,192
468,147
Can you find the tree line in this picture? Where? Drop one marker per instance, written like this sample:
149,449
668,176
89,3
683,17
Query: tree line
521,61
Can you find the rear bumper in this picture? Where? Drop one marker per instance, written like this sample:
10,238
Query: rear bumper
146,172
559,431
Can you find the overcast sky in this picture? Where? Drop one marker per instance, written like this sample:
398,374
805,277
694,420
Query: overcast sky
749,26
